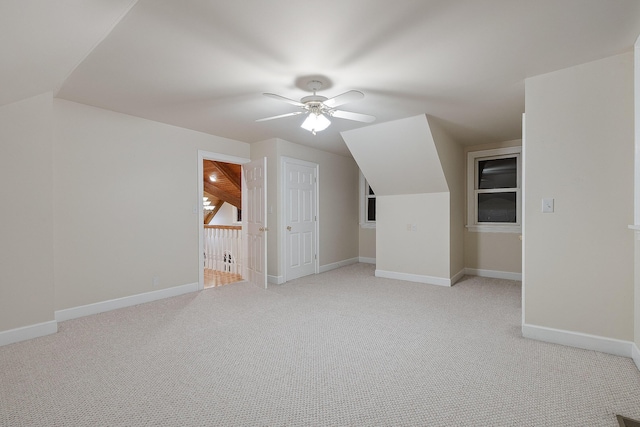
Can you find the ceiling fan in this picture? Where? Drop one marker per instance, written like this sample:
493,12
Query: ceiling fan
318,107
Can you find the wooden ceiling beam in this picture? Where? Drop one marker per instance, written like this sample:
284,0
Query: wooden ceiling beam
223,195
212,213
229,173
208,216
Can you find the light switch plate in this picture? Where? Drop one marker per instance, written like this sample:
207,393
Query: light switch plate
547,205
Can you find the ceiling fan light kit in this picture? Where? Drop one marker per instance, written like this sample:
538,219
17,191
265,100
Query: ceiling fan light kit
315,122
318,107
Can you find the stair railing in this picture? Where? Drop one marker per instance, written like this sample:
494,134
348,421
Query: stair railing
223,248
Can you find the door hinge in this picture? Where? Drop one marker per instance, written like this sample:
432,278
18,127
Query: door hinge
316,256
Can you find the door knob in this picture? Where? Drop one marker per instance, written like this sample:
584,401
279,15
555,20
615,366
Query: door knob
288,228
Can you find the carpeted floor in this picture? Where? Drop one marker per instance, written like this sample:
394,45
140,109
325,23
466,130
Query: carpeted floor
341,348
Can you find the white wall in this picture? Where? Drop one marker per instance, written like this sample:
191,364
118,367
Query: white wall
421,252
338,205
124,191
636,78
417,173
452,159
579,150
26,219
225,216
367,243
636,307
493,252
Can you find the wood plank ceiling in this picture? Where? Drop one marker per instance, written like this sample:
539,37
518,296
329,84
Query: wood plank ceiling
221,185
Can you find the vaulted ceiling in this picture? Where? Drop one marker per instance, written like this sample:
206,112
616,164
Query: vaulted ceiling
204,64
221,184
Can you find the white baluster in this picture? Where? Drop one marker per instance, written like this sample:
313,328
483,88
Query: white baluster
223,249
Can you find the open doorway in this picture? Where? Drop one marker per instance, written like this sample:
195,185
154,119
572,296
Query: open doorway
222,223
249,257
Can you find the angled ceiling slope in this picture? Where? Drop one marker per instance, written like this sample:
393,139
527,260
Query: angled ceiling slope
398,157
43,41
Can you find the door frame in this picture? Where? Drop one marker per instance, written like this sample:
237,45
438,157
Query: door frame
197,208
283,205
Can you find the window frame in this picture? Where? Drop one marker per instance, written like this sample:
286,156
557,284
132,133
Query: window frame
235,219
473,157
364,205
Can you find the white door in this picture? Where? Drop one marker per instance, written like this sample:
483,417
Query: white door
300,218
255,215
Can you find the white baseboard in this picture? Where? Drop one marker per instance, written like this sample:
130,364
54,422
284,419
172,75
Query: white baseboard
275,280
100,307
334,265
278,280
419,278
579,340
367,260
456,277
495,274
635,355
28,332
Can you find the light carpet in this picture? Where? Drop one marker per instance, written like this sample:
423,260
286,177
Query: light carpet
342,348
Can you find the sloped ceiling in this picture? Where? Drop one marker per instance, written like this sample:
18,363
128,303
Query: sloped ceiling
43,41
204,64
398,157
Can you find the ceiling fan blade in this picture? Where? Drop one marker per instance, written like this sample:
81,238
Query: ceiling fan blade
343,98
282,98
280,116
353,116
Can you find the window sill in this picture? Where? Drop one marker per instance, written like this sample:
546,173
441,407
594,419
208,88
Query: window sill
367,225
495,228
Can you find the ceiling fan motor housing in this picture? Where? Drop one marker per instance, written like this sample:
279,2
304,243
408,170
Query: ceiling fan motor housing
313,99
314,104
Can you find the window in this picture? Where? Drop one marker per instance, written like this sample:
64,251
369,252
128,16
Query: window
494,190
236,215
367,204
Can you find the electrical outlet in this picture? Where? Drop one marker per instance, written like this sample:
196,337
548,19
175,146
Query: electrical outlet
155,282
547,205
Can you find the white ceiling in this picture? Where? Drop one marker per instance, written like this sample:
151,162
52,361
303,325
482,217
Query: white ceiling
204,64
